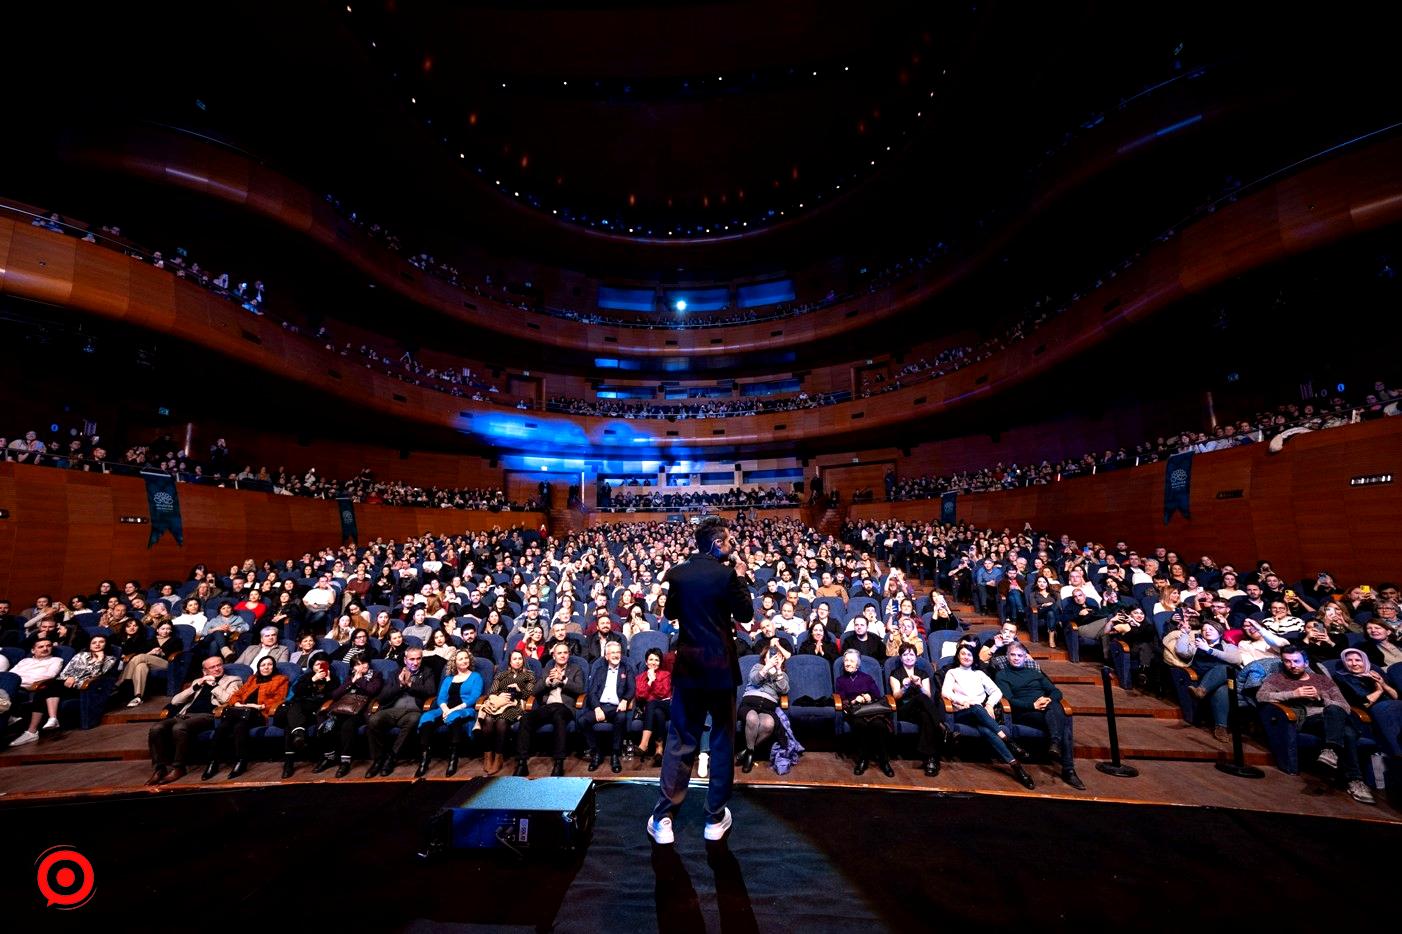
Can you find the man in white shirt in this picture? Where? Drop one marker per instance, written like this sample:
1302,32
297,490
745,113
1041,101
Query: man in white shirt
1077,581
42,665
608,702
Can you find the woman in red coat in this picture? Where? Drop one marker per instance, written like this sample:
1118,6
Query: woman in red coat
654,705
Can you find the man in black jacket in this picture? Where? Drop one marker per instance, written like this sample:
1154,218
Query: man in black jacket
707,595
556,691
401,702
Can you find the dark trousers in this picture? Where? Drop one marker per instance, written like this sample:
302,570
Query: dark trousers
916,708
589,723
1339,735
1054,722
169,739
690,705
871,737
985,599
380,724
238,727
347,725
297,716
457,733
656,715
558,714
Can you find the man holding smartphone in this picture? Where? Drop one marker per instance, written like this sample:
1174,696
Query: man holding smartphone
707,595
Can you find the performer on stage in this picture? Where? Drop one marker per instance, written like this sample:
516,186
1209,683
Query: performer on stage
707,596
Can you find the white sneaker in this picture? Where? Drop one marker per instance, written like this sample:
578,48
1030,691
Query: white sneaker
661,831
1359,792
135,702
50,724
703,765
1329,759
25,738
717,830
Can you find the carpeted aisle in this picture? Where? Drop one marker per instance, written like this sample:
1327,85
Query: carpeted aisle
799,859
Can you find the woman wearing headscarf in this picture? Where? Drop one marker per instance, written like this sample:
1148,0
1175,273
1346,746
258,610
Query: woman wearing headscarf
1364,686
312,691
253,704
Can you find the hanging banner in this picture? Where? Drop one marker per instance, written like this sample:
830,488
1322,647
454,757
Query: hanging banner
163,505
346,507
948,507
1177,485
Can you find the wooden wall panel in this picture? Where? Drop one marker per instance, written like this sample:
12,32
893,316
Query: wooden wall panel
64,535
1299,511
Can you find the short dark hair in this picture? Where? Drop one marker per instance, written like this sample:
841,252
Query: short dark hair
709,531
1293,650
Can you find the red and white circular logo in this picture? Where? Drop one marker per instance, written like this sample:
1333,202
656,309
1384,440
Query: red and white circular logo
65,878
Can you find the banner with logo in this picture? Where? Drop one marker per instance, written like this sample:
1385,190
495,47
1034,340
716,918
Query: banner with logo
346,507
1177,486
163,505
948,507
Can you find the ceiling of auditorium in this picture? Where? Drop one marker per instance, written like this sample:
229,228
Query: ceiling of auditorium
621,135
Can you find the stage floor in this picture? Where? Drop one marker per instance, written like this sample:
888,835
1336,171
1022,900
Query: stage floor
799,859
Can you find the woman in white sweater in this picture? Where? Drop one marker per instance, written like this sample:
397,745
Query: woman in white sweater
975,697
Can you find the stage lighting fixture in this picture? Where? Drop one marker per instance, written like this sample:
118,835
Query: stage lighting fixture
680,305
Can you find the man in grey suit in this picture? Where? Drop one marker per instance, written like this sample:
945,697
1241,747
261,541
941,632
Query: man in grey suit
707,594
267,645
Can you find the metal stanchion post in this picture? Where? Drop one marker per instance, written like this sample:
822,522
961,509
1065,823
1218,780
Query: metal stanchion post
1114,766
1237,766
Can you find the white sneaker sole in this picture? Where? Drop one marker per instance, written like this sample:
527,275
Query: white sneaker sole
661,834
718,830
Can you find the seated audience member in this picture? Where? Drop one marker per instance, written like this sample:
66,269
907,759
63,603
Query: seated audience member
759,705
993,652
36,672
1279,621
609,698
190,713
418,627
903,634
601,637
1365,687
401,702
193,615
653,692
1380,644
503,704
82,668
164,646
253,704
301,714
456,707
1214,661
769,635
393,647
1081,611
439,649
478,648
865,711
532,644
1036,702
308,651
222,633
131,638
555,695
1042,607
911,685
863,639
974,699
820,642
358,647
559,635
267,646
1321,710
349,704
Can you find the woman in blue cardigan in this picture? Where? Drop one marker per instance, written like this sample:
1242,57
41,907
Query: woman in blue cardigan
457,707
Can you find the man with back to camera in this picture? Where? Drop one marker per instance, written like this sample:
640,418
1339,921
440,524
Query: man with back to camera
707,595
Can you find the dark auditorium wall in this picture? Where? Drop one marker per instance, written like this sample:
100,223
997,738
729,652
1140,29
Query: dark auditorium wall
63,534
1297,509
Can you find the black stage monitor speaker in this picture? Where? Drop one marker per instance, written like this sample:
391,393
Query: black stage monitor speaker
523,815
